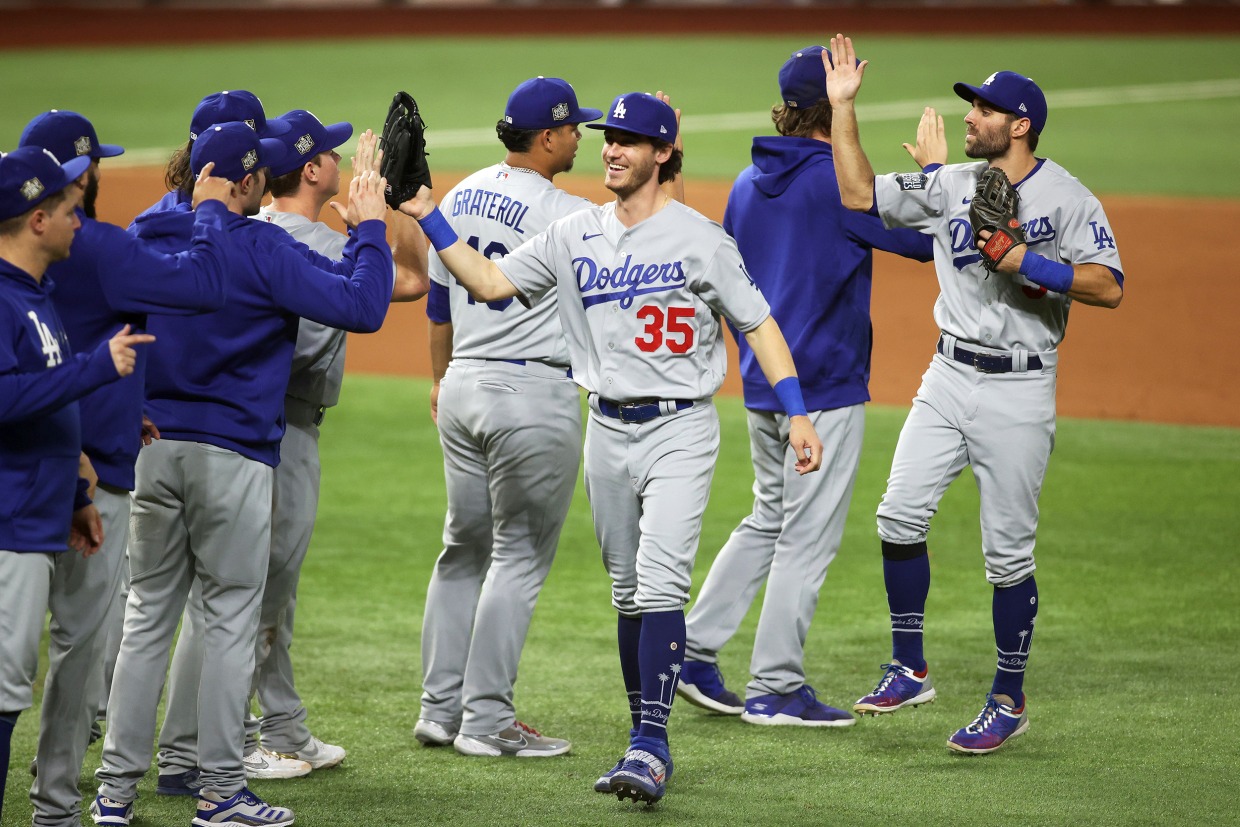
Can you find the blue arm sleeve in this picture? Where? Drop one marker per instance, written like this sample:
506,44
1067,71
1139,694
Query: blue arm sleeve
357,302
29,395
869,230
438,304
136,279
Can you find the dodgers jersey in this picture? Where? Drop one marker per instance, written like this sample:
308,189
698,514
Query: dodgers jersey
1063,221
640,305
495,211
318,360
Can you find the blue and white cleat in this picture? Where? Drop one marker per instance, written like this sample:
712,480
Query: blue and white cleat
242,809
900,687
991,729
105,810
643,774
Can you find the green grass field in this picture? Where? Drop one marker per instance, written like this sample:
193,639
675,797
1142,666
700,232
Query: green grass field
1132,709
1129,114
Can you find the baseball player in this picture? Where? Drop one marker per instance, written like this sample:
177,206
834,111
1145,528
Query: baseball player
789,195
988,398
642,283
110,279
202,504
42,485
218,107
302,186
509,420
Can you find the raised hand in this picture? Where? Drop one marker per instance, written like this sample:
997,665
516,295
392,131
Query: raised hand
368,157
421,205
121,346
843,72
931,146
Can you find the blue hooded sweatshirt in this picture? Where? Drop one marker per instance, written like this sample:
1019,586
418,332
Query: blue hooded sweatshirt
40,437
812,258
111,279
220,377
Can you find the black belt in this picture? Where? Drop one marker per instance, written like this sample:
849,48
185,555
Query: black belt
636,413
987,362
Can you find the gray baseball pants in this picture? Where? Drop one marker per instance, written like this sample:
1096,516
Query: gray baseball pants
648,485
26,580
787,542
83,593
202,512
1001,424
295,503
511,437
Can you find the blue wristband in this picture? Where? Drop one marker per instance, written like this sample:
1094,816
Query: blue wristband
438,231
789,392
1052,275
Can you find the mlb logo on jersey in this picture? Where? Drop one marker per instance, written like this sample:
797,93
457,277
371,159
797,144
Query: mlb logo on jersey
82,145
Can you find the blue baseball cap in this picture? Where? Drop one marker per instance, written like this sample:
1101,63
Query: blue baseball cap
307,137
545,103
236,150
1015,93
803,78
237,105
642,114
68,135
29,174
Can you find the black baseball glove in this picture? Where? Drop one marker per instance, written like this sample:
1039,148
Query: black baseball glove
404,151
993,208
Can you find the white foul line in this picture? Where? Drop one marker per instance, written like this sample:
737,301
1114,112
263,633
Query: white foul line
871,112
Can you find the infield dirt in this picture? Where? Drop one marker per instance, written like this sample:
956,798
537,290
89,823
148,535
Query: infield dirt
1159,358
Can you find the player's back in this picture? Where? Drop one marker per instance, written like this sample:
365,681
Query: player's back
495,211
221,377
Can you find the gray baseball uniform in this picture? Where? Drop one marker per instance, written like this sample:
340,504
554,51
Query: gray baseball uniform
1002,424
314,385
510,426
640,307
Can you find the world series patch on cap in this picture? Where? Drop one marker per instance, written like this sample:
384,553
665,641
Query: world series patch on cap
29,175
68,135
545,103
236,150
306,138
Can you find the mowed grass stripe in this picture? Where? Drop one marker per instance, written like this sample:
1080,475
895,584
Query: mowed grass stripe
902,110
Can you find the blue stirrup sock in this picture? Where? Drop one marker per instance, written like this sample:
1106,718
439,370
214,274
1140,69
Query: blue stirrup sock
628,634
661,653
1014,608
906,573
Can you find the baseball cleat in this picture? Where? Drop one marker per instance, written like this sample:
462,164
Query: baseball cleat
991,729
517,741
178,783
263,763
899,687
641,776
603,785
242,809
320,756
701,684
434,734
800,708
106,811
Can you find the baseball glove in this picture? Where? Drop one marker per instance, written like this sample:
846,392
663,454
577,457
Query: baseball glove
993,208
404,151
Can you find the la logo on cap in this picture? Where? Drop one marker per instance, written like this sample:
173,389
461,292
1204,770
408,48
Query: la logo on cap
620,111
989,80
